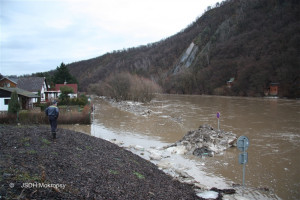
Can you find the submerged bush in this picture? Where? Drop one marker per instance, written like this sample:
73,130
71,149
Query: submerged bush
125,86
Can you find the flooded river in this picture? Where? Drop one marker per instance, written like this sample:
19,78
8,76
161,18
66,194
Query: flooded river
272,126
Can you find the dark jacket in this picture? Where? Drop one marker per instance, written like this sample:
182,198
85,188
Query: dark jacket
52,111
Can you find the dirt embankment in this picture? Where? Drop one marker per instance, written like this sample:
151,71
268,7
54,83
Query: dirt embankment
77,166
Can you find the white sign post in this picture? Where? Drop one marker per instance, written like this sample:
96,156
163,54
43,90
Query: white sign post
243,144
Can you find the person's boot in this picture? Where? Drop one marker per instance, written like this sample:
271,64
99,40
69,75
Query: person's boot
54,135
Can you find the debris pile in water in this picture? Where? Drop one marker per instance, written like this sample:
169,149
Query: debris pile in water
204,142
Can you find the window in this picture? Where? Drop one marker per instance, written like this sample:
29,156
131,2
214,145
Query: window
6,101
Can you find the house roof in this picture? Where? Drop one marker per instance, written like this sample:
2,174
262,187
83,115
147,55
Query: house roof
20,92
15,80
31,84
230,80
73,86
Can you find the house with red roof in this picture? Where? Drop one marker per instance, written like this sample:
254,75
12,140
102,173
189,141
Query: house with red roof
73,86
53,94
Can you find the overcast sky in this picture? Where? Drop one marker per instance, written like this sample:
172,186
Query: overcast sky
37,35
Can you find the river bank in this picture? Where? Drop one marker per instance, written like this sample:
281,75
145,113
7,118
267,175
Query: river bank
78,166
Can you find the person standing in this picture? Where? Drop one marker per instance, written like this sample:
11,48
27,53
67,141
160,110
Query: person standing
52,112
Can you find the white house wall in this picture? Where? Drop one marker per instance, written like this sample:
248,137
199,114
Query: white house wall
3,107
44,88
52,96
43,95
72,96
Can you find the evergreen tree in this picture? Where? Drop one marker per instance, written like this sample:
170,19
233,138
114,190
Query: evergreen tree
13,105
62,74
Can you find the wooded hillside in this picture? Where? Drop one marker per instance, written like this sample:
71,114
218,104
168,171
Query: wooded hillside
255,42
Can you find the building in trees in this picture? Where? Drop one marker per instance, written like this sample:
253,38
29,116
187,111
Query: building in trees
230,82
273,90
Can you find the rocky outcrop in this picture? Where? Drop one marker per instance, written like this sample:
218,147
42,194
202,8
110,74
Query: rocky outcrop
206,141
187,58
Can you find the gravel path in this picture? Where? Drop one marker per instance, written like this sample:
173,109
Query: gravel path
77,166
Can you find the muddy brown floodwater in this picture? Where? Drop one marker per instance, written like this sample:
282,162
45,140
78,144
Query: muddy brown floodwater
272,126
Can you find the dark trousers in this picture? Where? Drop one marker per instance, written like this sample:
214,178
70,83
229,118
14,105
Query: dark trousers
53,123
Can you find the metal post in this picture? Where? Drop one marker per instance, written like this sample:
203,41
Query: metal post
244,162
93,125
244,174
243,144
93,113
218,117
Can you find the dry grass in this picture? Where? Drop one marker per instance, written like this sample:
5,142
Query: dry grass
74,118
27,117
6,118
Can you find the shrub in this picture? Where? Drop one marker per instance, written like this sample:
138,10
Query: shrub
13,105
43,106
142,89
27,117
117,86
64,98
81,101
